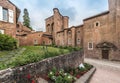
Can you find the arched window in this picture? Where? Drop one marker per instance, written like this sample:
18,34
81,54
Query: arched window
78,41
48,27
69,32
97,24
52,26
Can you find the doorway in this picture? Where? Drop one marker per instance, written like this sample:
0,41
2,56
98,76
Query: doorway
105,54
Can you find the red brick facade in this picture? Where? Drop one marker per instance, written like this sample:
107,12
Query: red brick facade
62,35
99,35
102,33
28,37
35,38
9,14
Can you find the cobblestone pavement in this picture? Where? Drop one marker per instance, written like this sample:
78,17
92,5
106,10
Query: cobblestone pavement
106,71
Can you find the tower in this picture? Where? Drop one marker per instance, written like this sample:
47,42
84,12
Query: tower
114,23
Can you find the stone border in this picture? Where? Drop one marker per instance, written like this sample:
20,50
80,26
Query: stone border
86,77
39,69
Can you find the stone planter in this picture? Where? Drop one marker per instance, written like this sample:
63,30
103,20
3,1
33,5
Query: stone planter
86,77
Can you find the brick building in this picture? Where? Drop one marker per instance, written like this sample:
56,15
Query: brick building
9,15
28,37
102,33
56,23
99,35
72,36
58,26
35,38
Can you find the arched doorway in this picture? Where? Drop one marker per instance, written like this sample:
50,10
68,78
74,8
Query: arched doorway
105,48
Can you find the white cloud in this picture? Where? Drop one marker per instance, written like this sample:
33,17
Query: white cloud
39,10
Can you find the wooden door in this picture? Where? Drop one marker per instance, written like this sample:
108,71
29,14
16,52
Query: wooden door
105,54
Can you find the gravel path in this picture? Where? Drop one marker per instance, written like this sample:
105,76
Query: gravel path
107,71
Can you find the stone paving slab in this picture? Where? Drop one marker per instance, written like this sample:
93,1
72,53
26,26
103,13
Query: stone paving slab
106,71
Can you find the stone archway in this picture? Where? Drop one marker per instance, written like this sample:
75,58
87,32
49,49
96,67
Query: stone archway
105,48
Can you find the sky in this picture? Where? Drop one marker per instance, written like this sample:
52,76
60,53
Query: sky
77,10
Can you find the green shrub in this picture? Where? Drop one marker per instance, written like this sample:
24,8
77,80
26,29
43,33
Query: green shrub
7,42
60,76
59,79
88,66
68,78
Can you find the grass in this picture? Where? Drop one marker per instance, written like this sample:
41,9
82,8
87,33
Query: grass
15,58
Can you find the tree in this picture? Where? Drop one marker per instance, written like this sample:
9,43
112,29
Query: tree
26,19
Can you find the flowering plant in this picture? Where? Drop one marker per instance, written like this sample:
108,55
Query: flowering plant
69,75
61,77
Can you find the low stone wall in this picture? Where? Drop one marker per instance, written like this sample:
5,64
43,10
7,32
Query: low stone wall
36,70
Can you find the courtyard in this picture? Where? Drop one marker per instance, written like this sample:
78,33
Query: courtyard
68,39
106,71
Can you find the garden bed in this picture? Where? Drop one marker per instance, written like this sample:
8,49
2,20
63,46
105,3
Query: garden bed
31,54
69,75
30,73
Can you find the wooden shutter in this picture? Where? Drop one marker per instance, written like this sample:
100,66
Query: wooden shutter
1,31
11,16
1,13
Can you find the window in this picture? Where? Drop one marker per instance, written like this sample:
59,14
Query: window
69,32
78,31
35,42
1,31
90,46
43,42
97,24
5,15
78,41
69,41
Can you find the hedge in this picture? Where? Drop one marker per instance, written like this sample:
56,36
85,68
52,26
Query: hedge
7,42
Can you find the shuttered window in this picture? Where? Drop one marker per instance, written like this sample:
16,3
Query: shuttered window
1,13
1,31
5,15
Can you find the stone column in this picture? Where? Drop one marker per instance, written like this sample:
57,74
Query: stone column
73,36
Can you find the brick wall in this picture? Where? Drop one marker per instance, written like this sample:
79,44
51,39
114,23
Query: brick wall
9,28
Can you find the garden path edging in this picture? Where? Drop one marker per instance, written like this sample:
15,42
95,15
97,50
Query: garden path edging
86,77
32,71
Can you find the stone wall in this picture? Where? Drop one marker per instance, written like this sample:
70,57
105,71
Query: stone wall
96,34
36,70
